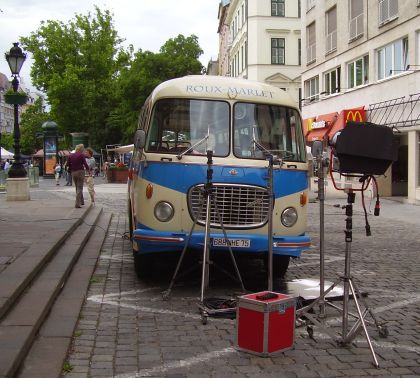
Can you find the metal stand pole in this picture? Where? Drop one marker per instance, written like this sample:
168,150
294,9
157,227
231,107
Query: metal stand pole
321,197
209,198
349,287
270,223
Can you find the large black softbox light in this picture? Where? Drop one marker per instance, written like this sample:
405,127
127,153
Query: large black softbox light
365,148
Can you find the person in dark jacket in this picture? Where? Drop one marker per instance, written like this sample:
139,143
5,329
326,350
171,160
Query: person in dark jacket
77,163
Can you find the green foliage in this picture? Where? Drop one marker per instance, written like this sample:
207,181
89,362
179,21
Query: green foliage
92,83
177,57
31,127
75,64
7,141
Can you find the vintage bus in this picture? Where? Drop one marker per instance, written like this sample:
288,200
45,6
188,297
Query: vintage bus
243,123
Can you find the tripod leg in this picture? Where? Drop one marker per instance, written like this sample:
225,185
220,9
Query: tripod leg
167,292
362,321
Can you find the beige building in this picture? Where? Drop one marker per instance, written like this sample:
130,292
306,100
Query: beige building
260,40
365,55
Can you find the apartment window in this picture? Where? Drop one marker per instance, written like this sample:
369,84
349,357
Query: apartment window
310,4
356,19
310,43
277,50
300,9
312,88
332,81
358,72
388,10
392,58
331,30
277,8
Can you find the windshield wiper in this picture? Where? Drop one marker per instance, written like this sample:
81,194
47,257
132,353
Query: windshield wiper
180,155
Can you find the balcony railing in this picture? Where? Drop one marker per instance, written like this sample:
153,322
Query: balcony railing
356,27
331,42
311,53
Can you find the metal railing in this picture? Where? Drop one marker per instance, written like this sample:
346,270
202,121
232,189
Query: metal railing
398,112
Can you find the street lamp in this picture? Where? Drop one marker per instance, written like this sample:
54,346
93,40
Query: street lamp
15,58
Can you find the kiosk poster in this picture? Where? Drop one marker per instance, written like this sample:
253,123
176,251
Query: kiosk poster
50,155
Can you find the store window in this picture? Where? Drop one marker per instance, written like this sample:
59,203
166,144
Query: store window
358,72
332,81
312,89
392,58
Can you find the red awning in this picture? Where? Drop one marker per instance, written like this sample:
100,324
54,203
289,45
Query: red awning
354,114
325,122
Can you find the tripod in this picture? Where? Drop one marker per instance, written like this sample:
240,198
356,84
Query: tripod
350,287
209,200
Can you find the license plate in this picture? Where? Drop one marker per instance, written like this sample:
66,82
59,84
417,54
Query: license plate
234,243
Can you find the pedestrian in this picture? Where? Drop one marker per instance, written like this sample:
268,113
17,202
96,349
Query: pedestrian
90,181
7,165
76,163
67,174
57,171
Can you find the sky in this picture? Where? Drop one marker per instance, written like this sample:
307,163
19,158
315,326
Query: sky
147,25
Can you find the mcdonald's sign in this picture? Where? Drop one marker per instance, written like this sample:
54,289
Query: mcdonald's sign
355,115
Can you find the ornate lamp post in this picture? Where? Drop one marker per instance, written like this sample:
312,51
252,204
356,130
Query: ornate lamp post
15,58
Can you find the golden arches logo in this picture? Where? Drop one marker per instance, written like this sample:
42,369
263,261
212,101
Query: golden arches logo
355,116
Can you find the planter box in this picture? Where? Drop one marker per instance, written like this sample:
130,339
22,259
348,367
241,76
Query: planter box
117,175
15,98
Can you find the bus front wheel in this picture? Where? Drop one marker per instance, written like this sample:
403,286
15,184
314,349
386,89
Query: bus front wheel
142,265
280,265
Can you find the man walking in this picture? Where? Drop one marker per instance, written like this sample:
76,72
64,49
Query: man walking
77,163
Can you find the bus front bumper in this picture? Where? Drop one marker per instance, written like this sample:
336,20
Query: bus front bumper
150,241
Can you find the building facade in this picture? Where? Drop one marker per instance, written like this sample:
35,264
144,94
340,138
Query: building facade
365,55
7,110
263,43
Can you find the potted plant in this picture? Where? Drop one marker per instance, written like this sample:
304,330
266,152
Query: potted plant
15,98
118,173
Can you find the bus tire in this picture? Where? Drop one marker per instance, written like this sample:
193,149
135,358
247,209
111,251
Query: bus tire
280,265
142,265
130,221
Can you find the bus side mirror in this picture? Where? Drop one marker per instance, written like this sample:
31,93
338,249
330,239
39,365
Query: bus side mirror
139,139
317,148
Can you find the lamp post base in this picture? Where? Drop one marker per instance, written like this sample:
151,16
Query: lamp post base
17,189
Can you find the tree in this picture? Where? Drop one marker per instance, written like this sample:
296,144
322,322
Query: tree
76,64
177,57
31,127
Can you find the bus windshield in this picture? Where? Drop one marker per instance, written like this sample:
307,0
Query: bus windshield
179,124
195,126
260,127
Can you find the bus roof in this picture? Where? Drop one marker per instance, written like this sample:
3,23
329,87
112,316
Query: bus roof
222,87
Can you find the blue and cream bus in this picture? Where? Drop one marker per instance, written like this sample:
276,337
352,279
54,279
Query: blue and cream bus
242,122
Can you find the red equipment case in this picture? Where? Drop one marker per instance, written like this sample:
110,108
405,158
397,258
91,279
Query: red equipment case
265,326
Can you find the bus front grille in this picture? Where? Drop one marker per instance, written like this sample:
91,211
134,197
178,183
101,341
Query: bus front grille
239,206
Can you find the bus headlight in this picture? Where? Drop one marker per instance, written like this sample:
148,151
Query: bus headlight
164,211
289,217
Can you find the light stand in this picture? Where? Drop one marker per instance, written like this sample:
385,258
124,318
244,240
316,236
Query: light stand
350,287
209,200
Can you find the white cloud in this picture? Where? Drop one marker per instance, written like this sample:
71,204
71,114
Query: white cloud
147,25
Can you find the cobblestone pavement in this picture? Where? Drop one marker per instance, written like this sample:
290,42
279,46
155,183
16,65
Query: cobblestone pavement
127,330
